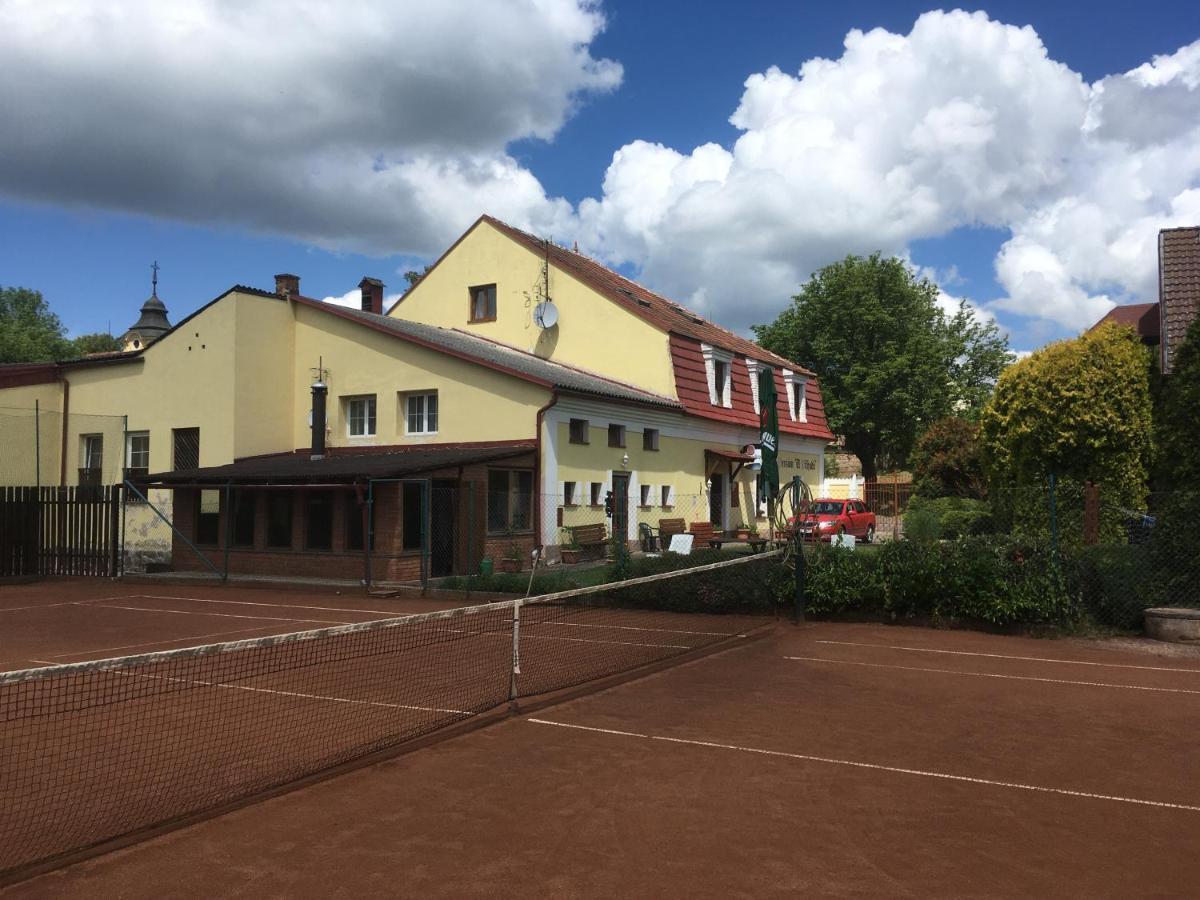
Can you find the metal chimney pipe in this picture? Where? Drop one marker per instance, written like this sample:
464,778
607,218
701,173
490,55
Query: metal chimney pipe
319,390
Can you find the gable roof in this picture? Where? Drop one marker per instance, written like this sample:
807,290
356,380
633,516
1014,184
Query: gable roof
1141,317
1178,286
659,311
493,355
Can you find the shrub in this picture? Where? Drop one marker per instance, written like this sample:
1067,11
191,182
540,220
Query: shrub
1117,583
837,580
947,461
749,588
946,517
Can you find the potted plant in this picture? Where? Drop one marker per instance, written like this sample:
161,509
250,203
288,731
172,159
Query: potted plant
742,532
571,551
511,561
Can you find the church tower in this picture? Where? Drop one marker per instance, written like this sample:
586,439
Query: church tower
153,322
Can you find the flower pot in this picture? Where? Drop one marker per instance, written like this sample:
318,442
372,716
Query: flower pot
743,534
510,565
571,556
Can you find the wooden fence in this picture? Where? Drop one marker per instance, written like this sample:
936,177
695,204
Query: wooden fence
60,530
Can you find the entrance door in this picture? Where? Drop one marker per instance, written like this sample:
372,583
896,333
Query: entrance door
441,527
716,501
620,517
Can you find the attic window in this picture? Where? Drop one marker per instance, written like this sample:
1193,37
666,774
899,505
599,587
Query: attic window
483,303
642,301
796,395
696,319
718,366
752,368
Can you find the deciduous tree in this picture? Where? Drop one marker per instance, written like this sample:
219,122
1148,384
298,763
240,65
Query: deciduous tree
890,361
29,331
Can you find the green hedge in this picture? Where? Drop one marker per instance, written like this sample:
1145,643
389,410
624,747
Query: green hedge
946,517
980,579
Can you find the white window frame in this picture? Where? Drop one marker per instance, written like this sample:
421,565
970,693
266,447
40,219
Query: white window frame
129,439
646,496
570,493
666,496
752,368
85,452
425,415
596,497
792,381
370,416
718,394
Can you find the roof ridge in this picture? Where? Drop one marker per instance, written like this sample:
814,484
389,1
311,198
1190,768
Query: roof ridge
564,254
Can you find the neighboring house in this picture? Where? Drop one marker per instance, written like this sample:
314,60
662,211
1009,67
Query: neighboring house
1141,317
1178,287
459,384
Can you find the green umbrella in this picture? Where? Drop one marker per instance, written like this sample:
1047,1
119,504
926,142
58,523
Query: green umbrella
768,422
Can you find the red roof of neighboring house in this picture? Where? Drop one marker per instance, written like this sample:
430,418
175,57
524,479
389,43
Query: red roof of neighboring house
691,383
1178,286
1141,317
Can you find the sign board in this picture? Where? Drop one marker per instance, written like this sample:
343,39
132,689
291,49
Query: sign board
681,544
843,540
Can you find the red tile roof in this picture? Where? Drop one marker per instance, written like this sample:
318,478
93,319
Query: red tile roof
1141,317
666,314
1178,286
691,383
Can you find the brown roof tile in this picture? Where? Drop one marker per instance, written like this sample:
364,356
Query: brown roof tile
641,301
1178,286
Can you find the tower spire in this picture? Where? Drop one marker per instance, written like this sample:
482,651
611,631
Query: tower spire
154,279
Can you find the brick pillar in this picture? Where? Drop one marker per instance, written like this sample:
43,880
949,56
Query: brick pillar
1091,513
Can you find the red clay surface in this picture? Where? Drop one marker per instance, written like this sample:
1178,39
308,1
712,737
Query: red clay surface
828,760
71,620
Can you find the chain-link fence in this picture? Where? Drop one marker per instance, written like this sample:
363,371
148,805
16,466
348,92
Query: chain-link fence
45,447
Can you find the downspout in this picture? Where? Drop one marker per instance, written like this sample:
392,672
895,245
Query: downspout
537,468
66,417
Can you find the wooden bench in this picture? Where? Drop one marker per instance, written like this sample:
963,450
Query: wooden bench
591,538
705,533
667,528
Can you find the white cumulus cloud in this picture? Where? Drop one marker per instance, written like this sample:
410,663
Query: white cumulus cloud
378,126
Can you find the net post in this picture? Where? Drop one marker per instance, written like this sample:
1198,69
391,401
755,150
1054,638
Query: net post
797,536
470,536
516,651
369,532
228,518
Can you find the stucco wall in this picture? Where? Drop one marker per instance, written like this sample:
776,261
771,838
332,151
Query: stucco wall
593,332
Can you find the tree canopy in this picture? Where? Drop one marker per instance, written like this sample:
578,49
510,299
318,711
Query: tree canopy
1177,425
1078,408
891,362
98,342
29,331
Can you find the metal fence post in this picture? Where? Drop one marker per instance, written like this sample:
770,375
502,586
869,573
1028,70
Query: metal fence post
798,613
37,442
470,535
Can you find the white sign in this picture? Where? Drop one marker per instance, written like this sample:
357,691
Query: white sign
843,540
681,544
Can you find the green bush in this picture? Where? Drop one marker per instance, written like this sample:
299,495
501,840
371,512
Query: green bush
975,578
946,517
1118,582
749,588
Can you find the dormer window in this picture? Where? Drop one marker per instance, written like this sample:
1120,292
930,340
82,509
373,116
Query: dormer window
796,395
752,367
718,365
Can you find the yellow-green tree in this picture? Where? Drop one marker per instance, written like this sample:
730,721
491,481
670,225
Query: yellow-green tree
1079,409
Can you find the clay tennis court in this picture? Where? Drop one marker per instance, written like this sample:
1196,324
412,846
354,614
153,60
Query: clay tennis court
826,759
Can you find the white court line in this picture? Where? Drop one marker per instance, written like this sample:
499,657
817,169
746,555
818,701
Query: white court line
1127,687
1065,662
190,637
377,612
945,776
180,612
243,687
636,628
71,603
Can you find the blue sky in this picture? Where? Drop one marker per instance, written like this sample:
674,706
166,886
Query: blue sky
659,80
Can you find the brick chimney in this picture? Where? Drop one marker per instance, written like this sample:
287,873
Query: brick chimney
372,295
286,285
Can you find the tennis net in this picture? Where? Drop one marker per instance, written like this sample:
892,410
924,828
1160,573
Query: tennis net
98,750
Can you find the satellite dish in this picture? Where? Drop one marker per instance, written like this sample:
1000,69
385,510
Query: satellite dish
546,314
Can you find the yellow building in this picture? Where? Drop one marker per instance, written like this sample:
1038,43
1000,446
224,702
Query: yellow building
515,368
